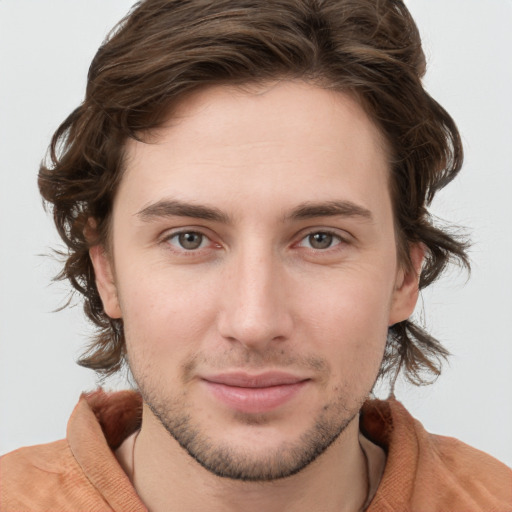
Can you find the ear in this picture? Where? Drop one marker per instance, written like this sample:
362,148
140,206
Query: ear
105,281
406,290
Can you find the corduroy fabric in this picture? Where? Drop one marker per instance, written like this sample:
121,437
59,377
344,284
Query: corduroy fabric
424,472
430,473
80,473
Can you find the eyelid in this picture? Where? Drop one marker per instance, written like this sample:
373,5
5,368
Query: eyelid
342,235
170,232
174,232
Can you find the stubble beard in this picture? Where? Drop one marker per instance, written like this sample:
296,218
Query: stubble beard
227,461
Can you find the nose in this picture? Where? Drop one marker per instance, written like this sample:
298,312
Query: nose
255,310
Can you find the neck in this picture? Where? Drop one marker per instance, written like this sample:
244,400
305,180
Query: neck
168,479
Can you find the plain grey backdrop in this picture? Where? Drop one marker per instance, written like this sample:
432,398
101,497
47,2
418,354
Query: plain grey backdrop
45,50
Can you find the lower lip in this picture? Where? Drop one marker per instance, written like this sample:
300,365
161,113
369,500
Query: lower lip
255,400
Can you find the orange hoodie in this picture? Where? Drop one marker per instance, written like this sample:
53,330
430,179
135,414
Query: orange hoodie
423,473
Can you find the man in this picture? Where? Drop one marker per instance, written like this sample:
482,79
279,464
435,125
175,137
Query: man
244,195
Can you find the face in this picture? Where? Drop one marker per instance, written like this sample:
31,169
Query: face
254,265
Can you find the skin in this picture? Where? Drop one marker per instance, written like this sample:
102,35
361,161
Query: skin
273,285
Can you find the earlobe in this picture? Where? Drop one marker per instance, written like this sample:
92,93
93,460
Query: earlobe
105,281
406,291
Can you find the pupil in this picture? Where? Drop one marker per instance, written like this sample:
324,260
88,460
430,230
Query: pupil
190,240
320,240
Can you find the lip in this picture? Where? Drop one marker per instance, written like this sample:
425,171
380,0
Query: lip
254,394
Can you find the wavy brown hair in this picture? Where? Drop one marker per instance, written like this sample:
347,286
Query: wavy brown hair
165,49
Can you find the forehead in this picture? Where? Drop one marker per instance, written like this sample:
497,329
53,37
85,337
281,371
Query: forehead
286,141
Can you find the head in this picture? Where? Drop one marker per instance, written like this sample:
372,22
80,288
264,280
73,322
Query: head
162,76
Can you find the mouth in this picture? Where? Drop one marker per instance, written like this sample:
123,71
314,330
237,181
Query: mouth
255,394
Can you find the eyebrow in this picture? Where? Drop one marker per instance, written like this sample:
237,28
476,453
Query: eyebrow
172,208
311,210
308,210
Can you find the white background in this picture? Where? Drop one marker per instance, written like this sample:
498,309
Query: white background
45,50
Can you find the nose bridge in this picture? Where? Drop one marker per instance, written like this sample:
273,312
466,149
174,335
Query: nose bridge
255,312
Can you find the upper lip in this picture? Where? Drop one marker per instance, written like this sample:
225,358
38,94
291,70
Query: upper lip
261,380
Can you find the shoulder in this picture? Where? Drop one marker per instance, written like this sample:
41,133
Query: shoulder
45,477
458,469
433,473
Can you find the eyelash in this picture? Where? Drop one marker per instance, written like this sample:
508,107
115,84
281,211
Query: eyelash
189,252
337,241
335,236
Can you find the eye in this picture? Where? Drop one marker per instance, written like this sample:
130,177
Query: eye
320,240
188,240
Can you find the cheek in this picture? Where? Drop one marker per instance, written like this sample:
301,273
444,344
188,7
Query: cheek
349,323
352,307
165,317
